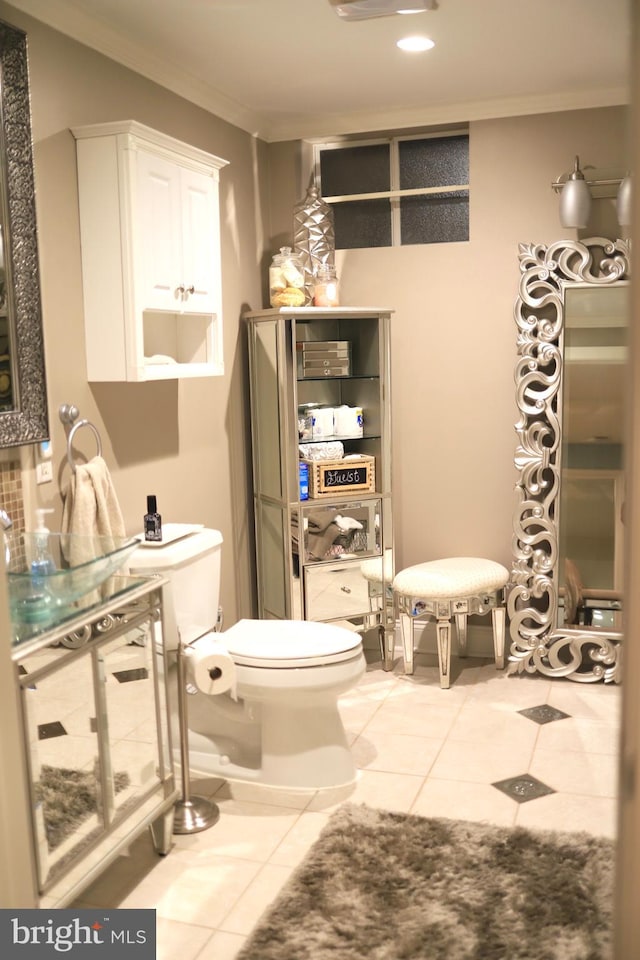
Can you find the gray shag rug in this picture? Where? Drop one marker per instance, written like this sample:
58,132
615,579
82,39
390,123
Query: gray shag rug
391,886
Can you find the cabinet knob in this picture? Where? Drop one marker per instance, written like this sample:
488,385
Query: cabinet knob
183,292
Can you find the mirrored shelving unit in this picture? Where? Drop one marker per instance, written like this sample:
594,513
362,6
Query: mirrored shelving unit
322,557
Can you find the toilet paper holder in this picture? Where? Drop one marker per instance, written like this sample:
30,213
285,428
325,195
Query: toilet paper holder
191,813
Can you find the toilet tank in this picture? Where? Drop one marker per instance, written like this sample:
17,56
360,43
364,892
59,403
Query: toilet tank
191,564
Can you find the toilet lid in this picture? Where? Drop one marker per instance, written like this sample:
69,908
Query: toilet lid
289,643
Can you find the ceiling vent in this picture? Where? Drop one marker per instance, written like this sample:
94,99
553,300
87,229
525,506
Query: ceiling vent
368,9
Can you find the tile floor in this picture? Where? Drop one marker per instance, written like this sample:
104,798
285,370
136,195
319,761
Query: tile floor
419,749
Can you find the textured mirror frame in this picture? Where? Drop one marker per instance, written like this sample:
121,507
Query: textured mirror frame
27,421
538,643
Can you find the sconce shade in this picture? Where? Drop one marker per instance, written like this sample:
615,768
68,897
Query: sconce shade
623,202
575,200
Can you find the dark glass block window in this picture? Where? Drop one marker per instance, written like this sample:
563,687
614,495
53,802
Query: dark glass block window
433,162
398,171
362,223
439,218
354,170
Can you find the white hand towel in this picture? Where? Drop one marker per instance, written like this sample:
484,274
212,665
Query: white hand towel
90,507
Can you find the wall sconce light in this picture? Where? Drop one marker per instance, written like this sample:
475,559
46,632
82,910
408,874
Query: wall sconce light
575,199
576,194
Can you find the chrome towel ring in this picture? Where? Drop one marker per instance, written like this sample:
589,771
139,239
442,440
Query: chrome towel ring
69,415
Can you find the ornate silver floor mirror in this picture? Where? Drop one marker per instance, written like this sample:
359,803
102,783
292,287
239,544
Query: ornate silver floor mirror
565,605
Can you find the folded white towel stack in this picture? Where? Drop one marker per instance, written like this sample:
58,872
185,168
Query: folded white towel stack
91,508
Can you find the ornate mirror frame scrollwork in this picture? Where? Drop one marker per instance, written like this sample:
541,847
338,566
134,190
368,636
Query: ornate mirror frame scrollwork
538,643
27,420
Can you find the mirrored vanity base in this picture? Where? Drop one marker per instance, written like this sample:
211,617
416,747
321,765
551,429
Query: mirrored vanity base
97,740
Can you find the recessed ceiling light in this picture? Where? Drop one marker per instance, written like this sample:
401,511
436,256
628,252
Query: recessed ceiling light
415,44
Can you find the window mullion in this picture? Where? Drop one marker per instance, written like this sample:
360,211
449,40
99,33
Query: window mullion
396,194
394,166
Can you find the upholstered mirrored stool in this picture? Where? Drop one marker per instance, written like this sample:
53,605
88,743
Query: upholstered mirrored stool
444,590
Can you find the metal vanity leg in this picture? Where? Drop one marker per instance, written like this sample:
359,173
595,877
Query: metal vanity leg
161,831
443,634
498,615
461,625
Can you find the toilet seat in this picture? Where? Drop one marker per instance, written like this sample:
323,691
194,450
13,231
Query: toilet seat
278,644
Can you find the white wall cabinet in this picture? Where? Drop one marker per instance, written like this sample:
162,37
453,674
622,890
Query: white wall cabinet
150,236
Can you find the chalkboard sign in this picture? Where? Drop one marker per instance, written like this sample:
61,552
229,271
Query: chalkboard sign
327,477
345,477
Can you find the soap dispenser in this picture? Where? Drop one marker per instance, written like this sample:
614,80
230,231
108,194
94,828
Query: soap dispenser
42,563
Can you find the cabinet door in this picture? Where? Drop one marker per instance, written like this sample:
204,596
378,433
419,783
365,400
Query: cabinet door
200,245
177,237
159,232
97,755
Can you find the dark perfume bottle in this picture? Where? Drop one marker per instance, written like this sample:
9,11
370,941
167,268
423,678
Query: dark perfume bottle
152,521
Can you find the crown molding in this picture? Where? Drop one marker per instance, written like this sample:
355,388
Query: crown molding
324,127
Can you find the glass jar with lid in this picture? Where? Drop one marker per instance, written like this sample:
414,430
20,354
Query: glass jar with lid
325,290
286,280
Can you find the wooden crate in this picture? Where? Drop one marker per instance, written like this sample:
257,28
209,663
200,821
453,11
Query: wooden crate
330,478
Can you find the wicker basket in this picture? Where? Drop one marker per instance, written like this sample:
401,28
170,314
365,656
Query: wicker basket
331,478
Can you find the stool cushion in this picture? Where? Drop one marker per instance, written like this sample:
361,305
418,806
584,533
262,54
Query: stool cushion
454,577
372,568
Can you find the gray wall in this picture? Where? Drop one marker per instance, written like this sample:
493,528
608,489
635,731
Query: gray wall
453,333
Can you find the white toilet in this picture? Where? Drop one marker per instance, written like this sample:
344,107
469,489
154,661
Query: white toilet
284,729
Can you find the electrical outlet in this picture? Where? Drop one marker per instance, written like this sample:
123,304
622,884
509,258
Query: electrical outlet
44,472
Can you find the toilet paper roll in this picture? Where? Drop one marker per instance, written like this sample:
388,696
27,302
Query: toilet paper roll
348,421
210,668
322,423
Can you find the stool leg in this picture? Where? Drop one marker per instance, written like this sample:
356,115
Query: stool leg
388,614
443,634
498,615
461,624
389,645
406,629
386,640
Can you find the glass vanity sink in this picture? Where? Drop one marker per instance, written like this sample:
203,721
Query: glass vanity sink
53,577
